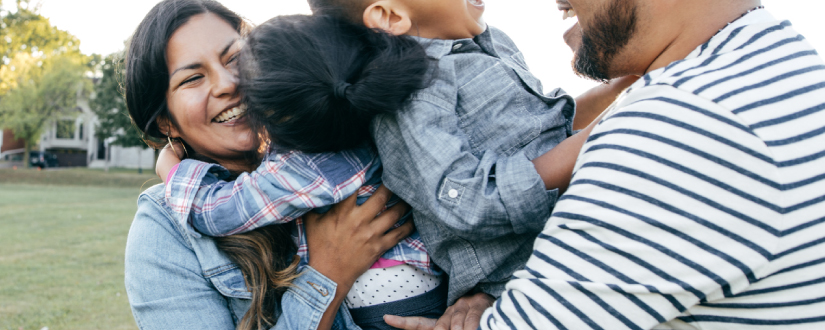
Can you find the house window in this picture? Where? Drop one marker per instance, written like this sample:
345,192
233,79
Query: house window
65,129
80,131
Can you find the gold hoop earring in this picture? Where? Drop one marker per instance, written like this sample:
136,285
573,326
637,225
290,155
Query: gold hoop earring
168,138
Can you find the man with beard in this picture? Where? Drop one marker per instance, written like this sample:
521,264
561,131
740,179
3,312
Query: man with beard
698,201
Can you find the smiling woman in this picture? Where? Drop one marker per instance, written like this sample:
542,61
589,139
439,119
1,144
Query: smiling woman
202,94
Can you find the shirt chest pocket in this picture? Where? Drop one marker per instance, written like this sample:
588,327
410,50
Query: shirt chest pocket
493,111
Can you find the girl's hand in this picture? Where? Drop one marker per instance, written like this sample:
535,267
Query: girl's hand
344,242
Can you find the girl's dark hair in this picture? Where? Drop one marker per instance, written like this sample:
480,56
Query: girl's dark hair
265,256
315,82
147,76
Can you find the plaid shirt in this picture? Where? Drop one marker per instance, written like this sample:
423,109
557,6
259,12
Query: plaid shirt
283,188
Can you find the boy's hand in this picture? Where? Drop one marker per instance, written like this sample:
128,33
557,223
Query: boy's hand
168,157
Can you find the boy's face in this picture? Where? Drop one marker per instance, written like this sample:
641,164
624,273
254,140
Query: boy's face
446,19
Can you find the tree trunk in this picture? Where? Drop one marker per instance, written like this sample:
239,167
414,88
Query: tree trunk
27,154
108,157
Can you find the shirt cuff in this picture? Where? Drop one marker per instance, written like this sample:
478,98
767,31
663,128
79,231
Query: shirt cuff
314,288
172,172
523,194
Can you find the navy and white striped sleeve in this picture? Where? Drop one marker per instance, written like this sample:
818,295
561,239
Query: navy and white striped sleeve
667,209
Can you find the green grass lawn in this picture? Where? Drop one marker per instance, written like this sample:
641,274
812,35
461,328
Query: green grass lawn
62,236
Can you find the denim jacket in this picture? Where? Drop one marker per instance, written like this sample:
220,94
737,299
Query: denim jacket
461,153
175,280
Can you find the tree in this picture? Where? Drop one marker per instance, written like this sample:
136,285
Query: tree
41,73
48,94
109,104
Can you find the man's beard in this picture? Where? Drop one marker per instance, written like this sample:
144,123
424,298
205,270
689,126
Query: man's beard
609,34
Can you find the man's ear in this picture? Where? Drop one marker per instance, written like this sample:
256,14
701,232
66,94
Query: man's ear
388,16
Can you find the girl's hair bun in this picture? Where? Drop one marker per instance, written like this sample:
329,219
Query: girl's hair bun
315,82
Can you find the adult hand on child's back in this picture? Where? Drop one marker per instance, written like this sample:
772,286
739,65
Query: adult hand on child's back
465,314
344,242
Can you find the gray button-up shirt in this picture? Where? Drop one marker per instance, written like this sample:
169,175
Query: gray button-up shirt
460,155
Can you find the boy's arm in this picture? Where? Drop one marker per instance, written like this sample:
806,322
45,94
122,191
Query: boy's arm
280,190
556,166
593,102
429,163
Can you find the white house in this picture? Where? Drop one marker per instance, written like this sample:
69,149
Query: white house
72,139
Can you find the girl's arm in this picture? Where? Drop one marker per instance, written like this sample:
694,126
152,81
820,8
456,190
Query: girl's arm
283,188
168,160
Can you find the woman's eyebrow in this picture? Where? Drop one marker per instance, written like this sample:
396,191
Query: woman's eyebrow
228,46
198,65
187,67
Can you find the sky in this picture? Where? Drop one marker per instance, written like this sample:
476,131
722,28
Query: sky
535,25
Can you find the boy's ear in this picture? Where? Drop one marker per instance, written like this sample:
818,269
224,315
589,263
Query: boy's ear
388,16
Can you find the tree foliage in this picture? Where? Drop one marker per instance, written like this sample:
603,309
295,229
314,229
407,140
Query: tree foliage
109,105
41,74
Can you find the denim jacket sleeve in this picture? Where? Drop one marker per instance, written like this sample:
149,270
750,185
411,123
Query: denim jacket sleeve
170,287
283,188
428,162
304,304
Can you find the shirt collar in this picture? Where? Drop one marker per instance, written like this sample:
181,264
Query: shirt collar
438,48
754,17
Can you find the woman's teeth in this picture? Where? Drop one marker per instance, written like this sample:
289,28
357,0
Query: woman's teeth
568,13
230,114
477,3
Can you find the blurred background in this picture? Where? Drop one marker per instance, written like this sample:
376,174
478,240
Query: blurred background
71,165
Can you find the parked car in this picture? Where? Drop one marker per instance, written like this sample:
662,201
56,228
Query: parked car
43,159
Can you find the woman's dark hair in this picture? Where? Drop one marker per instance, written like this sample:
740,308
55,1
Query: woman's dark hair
315,82
147,75
265,256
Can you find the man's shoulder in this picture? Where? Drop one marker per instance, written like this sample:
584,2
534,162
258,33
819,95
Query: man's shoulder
732,62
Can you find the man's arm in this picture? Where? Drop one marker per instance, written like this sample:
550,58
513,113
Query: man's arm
654,223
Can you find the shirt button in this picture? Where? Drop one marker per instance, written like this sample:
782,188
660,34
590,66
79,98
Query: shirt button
452,193
457,47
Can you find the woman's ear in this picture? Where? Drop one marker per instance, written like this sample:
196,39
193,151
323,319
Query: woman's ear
388,16
166,127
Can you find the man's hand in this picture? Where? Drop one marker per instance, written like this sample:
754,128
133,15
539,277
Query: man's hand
465,314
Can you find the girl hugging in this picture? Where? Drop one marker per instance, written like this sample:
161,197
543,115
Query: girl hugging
311,85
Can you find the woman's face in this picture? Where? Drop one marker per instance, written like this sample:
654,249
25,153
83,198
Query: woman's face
203,97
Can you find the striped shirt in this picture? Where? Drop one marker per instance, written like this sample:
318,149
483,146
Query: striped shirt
699,202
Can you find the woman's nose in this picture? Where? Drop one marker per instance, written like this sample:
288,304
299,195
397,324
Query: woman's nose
226,84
